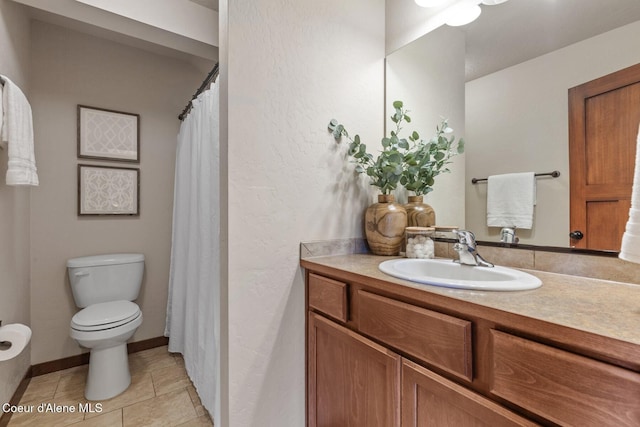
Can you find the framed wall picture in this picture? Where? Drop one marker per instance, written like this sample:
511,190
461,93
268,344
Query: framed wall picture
107,190
108,135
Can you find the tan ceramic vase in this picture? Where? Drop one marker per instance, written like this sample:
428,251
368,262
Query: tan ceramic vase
385,222
419,214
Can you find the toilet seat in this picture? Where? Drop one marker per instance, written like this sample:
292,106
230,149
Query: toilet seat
106,315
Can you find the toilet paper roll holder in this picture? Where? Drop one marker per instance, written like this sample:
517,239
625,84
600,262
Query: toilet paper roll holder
16,338
4,345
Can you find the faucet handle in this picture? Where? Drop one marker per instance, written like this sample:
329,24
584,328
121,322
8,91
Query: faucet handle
466,237
466,248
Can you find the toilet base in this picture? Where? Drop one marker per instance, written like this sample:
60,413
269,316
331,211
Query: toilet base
108,372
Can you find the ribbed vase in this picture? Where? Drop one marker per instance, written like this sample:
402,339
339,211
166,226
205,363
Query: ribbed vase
385,222
419,214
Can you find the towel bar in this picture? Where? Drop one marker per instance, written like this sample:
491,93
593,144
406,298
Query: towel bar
554,174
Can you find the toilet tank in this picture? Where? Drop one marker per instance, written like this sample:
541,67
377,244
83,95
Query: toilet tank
104,278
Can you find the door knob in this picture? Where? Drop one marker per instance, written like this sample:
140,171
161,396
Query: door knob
576,235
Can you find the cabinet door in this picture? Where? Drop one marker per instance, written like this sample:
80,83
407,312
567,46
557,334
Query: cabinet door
353,382
429,400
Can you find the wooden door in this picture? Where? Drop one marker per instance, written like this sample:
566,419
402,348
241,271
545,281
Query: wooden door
603,126
429,400
353,382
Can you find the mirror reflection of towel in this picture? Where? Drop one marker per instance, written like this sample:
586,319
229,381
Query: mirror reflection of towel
510,200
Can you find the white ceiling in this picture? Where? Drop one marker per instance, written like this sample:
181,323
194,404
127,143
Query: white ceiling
502,36
515,31
519,30
210,4
181,29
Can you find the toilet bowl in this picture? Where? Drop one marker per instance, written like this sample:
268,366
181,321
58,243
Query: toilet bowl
104,287
104,328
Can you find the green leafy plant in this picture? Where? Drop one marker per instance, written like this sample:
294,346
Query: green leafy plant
410,161
426,160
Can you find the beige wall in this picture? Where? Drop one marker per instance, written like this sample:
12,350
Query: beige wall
14,203
432,90
292,66
70,68
517,122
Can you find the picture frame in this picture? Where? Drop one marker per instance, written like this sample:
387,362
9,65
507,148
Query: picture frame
108,190
108,134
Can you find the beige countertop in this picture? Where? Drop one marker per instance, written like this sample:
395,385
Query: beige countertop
606,308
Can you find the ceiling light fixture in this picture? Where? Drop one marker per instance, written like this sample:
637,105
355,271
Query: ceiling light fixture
429,3
456,13
462,14
493,2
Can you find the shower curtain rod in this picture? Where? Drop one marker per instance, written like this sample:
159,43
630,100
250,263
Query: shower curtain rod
210,77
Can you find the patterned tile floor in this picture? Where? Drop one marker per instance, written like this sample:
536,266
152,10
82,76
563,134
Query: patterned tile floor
160,394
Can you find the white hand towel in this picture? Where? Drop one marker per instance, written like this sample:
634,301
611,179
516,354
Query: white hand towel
510,200
630,250
17,130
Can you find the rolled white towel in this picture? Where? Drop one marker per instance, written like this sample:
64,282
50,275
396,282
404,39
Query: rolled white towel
630,250
633,228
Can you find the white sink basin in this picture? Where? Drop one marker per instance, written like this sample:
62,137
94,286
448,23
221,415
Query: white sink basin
445,272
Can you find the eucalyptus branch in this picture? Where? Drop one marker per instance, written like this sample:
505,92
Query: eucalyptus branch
411,162
426,160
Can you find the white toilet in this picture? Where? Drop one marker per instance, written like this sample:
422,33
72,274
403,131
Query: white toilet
104,286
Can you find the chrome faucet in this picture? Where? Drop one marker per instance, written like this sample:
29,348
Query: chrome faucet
466,248
508,235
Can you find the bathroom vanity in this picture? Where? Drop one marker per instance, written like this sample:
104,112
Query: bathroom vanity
386,352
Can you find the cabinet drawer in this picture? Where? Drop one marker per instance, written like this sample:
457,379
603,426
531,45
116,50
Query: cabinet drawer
328,296
563,387
438,339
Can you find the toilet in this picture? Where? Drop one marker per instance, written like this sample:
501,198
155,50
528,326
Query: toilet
105,286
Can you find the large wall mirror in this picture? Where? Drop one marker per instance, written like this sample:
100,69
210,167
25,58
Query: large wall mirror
503,82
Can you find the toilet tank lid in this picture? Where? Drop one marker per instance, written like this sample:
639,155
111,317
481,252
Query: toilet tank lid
107,259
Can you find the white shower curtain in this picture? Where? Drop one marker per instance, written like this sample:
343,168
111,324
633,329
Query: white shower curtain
194,285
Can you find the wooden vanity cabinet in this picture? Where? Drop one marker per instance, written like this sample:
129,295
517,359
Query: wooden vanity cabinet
353,381
375,358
